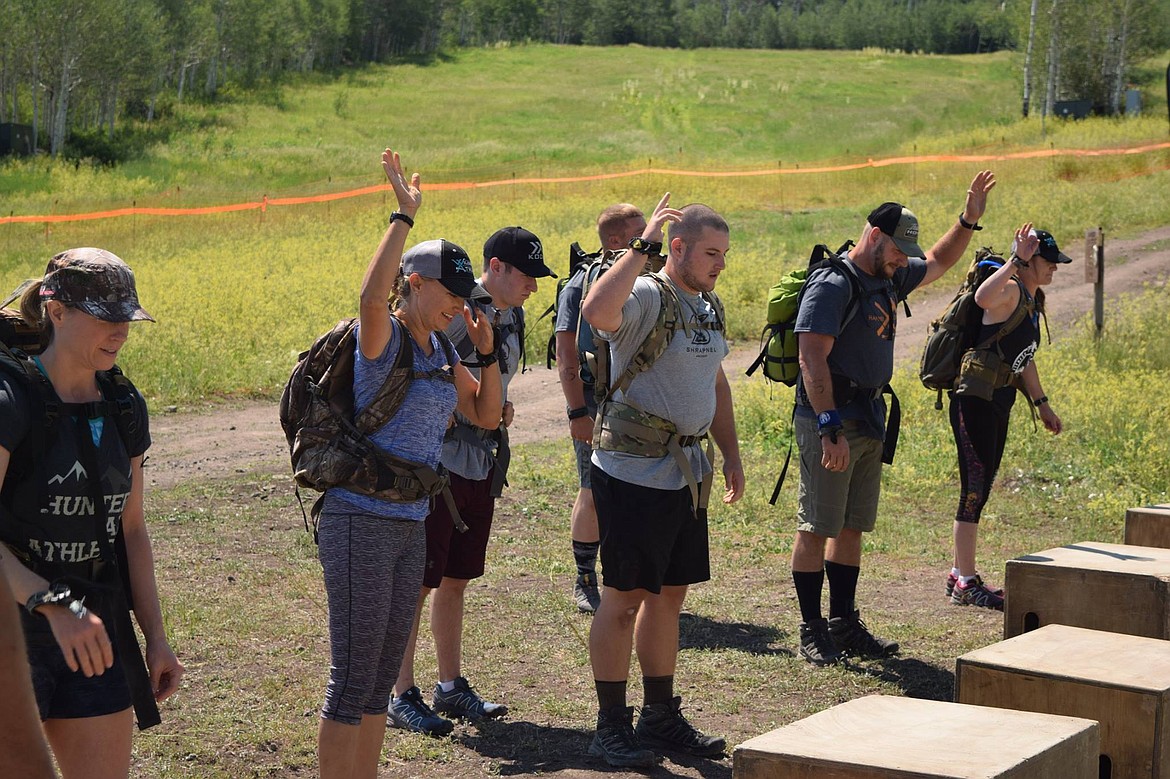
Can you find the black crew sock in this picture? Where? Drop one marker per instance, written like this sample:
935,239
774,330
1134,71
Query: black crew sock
842,588
657,689
585,553
809,585
610,695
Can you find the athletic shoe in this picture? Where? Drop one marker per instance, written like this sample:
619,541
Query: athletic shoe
663,725
854,638
465,702
952,579
976,593
816,644
409,712
585,593
616,742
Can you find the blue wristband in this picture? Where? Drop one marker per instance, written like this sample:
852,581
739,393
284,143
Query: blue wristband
827,420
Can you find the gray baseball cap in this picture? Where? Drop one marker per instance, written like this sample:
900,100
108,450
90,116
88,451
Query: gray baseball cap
898,222
449,264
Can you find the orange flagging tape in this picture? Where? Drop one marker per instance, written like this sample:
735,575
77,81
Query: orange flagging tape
264,203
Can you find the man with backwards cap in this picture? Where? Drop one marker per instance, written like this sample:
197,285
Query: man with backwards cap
477,460
845,361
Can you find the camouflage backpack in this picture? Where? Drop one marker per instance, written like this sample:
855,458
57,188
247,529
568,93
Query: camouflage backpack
330,445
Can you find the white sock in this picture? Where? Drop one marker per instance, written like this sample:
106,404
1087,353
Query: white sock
447,686
955,572
965,581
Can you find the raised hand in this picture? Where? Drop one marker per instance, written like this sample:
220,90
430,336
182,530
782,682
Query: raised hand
663,213
1026,243
976,204
408,193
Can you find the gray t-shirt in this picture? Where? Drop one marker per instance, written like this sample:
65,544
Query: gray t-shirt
864,349
473,462
680,386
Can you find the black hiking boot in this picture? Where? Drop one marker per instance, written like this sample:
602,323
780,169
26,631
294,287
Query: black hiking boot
663,725
816,643
854,638
617,743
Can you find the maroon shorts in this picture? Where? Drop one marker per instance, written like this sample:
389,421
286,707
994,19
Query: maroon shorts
449,552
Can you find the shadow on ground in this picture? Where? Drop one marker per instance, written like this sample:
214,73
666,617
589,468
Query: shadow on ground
697,632
526,748
916,678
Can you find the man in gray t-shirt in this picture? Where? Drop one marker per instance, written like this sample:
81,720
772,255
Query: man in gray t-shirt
616,225
513,260
648,460
846,349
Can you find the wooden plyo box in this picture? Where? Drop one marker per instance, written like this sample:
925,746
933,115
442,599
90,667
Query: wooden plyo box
1111,587
1148,526
886,737
1121,681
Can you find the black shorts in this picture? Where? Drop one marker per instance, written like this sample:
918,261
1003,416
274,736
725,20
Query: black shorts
649,537
449,552
65,694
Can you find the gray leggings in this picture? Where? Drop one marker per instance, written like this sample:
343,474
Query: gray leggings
373,571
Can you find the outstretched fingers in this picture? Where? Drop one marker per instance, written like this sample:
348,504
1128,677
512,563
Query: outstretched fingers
981,185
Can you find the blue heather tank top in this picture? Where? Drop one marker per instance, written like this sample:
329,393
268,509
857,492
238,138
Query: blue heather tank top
415,432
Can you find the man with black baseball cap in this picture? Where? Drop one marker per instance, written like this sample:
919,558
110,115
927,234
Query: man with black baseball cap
477,461
845,330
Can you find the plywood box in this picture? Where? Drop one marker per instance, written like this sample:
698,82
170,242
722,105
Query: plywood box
1111,587
1148,526
1121,681
885,737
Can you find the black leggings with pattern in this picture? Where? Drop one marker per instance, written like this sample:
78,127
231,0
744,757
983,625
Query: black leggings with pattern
980,428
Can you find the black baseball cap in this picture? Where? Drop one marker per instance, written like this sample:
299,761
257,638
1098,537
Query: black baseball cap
900,224
449,264
1048,248
520,249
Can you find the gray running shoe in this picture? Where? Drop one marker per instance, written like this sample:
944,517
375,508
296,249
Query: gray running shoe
663,725
409,712
616,742
816,643
854,638
585,593
465,702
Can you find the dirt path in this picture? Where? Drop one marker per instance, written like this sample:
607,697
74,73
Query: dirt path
246,436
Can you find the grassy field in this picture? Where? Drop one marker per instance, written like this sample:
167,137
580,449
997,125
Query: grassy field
237,296
218,283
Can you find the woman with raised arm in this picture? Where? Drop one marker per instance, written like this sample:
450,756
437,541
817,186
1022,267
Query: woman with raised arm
373,550
75,549
980,425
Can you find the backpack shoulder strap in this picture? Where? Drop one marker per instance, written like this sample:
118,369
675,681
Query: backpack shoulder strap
1024,308
393,390
656,341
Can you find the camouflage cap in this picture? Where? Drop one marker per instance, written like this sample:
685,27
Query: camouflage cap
96,282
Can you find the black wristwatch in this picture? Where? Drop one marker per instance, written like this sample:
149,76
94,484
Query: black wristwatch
968,225
641,245
576,413
401,217
57,595
482,360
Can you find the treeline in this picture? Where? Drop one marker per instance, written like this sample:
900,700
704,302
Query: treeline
74,69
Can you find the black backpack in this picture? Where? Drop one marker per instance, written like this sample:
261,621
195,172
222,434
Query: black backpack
578,260
330,446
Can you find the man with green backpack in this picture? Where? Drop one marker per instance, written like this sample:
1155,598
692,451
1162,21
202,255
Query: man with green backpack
840,417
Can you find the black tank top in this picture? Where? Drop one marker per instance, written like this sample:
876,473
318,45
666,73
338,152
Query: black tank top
1019,346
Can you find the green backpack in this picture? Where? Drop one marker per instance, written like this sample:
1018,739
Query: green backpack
778,354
